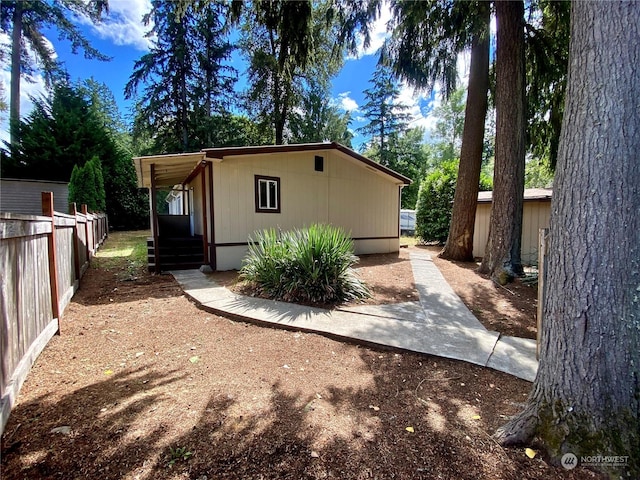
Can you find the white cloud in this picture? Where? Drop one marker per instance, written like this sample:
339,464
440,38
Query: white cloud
123,26
420,107
347,103
378,33
33,86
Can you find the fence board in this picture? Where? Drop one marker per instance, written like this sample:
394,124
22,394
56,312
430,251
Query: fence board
12,228
66,266
25,286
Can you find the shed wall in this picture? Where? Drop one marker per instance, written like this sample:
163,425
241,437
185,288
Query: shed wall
24,196
535,215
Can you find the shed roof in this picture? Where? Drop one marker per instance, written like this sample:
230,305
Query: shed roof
530,194
175,168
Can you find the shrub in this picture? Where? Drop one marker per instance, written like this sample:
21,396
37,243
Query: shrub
435,201
86,186
435,198
311,265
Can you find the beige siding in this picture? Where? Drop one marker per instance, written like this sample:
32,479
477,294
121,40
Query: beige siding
535,215
346,194
362,201
303,194
481,229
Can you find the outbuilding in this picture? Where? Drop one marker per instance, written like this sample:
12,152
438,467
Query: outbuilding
223,195
536,212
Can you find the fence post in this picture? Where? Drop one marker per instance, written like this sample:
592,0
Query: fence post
47,211
543,245
73,210
85,211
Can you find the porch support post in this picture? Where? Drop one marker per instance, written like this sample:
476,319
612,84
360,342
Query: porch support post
213,260
205,227
154,221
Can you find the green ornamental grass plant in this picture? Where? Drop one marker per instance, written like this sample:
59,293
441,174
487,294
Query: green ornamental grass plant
309,265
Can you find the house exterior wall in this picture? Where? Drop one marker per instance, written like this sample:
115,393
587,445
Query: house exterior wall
362,201
535,215
24,196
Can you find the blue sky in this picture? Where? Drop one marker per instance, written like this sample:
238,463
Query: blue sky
122,37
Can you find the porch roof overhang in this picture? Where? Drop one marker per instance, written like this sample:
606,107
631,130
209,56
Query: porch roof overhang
169,170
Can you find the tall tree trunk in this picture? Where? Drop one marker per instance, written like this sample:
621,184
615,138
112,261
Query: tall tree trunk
278,117
502,256
459,244
586,396
16,49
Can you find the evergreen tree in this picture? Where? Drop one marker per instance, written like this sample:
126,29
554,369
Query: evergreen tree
547,52
388,118
287,45
60,132
101,198
427,39
64,131
186,81
502,258
411,159
82,186
318,120
27,19
449,125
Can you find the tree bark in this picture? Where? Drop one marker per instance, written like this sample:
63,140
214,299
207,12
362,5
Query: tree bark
502,256
459,245
586,396
16,50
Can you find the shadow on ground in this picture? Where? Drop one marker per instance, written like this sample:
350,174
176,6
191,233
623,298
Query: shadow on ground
126,429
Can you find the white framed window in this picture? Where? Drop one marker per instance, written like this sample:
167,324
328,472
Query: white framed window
267,194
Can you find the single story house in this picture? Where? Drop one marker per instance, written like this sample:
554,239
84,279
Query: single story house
536,212
224,195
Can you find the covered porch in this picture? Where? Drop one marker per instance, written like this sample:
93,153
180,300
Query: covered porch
180,202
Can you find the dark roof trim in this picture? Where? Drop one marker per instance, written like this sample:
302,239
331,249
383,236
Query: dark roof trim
195,172
220,153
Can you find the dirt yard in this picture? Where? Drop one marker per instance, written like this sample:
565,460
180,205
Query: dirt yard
142,384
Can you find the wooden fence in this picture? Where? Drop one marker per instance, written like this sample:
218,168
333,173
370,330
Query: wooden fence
42,259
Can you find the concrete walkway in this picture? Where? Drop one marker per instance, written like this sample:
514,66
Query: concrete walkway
439,324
